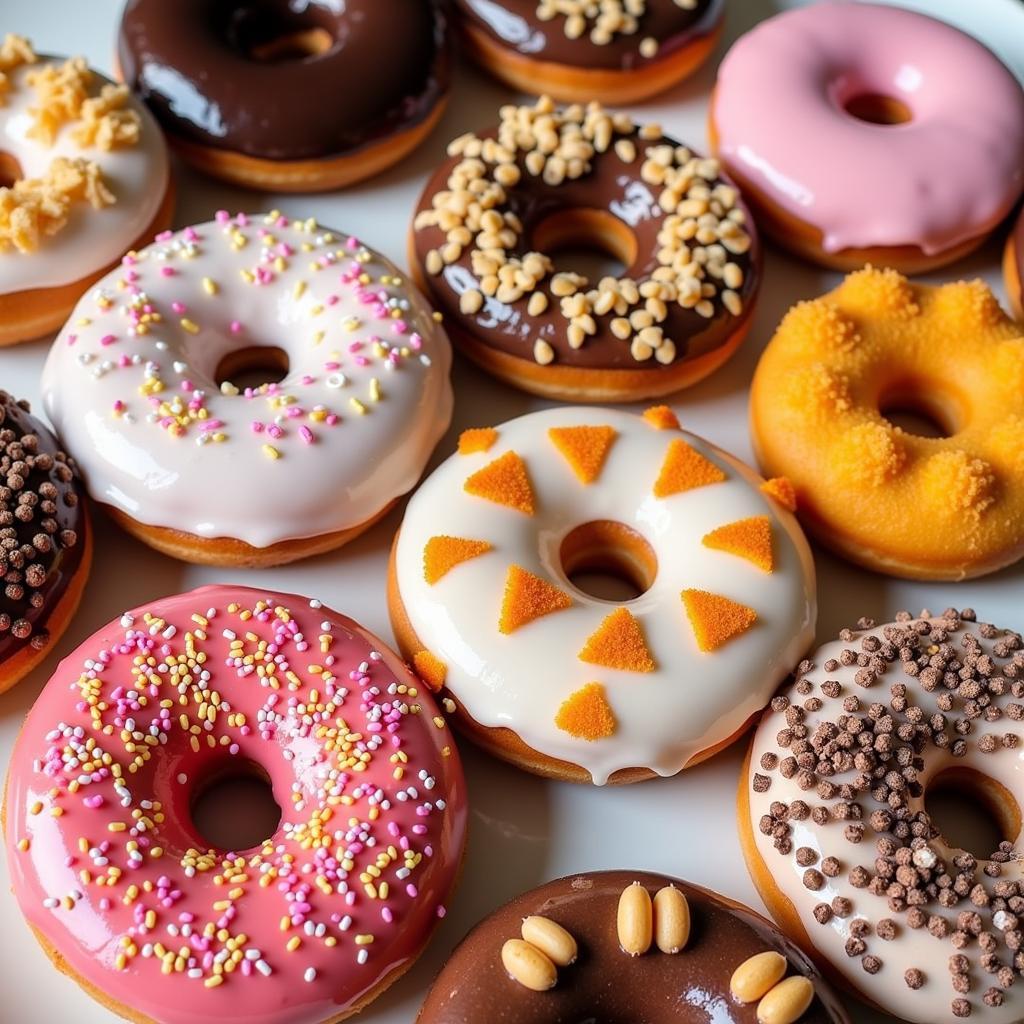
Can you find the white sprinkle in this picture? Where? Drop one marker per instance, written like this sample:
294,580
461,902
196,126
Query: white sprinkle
310,974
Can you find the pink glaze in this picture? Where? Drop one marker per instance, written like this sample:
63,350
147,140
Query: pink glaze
949,174
114,873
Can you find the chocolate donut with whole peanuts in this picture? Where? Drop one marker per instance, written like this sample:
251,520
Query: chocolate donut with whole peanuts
494,212
289,97
692,956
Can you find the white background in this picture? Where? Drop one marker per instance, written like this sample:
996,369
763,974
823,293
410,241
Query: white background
523,830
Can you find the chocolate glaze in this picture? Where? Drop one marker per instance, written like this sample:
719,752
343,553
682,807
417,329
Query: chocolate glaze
42,527
514,24
190,60
612,186
605,986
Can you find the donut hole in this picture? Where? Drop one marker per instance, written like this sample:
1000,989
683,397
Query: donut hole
922,408
609,561
10,170
971,811
234,809
878,108
253,367
593,243
273,33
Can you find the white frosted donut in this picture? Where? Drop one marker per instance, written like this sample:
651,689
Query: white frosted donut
134,173
836,832
131,383
482,571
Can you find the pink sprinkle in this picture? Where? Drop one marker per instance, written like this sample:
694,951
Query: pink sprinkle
235,327
168,271
179,307
93,802
242,220
108,339
257,427
275,431
222,216
72,338
165,236
306,434
353,242
332,300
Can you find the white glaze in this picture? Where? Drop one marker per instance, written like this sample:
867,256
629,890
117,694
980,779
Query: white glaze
349,471
911,948
692,700
91,239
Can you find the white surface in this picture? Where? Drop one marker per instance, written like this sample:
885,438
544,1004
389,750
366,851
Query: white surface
523,830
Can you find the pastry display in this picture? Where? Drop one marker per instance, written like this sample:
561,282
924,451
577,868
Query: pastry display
84,177
570,685
140,386
627,946
865,133
835,823
494,213
119,885
945,507
290,97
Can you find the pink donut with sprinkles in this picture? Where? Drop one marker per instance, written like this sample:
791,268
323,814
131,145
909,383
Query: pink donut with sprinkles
121,889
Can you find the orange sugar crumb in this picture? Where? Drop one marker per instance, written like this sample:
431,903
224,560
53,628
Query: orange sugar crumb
528,597
504,482
818,326
716,619
477,439
747,538
586,714
442,553
618,643
954,482
871,453
433,671
661,417
584,448
781,489
878,292
684,469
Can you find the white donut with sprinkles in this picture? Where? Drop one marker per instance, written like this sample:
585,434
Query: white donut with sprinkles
143,385
571,685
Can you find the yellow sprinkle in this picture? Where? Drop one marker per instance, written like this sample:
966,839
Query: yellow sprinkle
210,286
217,979
364,940
293,944
375,391
23,845
271,452
300,287
358,406
189,326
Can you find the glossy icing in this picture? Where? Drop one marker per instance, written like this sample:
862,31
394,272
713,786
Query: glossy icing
121,873
518,25
386,69
604,985
911,948
346,431
948,175
692,700
91,239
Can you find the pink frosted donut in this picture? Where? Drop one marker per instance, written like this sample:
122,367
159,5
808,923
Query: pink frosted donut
868,133
124,893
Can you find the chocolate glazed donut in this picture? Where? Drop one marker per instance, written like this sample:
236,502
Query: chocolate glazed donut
286,82
607,986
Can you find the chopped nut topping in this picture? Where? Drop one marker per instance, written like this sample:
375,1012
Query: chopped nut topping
603,20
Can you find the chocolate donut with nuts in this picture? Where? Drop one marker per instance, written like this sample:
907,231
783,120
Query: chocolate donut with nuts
45,544
618,947
502,202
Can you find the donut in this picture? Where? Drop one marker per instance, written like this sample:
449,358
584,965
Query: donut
946,507
485,600
45,541
121,888
502,203
349,392
1013,267
853,142
706,958
618,51
84,176
289,97
834,820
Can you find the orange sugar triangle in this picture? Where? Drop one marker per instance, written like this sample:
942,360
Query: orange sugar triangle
661,417
684,469
477,439
503,481
782,490
716,619
528,597
433,671
748,538
618,643
441,554
586,714
584,448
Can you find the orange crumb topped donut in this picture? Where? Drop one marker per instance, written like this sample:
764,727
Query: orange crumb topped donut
926,507
495,213
618,51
